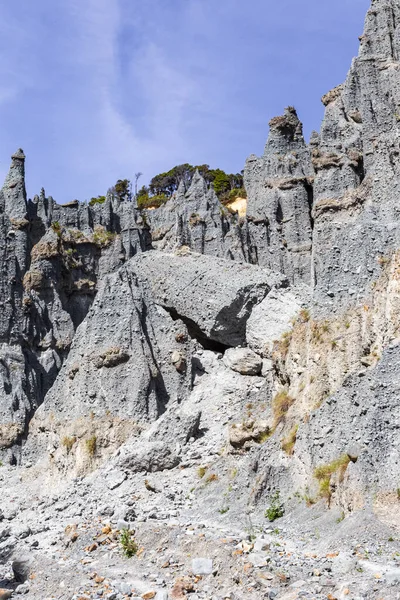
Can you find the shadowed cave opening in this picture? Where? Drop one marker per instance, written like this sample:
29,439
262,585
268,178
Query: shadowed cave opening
195,332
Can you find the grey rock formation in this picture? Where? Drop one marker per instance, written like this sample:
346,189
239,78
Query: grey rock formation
119,369
360,421
271,319
198,220
52,260
214,297
148,457
243,360
15,402
356,160
279,188
187,370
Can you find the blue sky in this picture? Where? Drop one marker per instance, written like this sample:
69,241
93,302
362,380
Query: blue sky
95,90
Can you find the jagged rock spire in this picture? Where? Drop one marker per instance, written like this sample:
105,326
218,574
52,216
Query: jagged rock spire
14,187
198,185
181,188
286,132
286,153
279,196
380,38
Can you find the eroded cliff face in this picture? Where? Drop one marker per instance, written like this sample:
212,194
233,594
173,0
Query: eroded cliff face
280,196
196,219
356,157
53,258
190,364
127,334
346,341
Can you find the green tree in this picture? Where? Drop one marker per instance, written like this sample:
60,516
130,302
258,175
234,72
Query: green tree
123,189
220,181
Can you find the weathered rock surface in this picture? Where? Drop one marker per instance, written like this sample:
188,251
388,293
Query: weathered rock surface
358,422
280,197
198,220
53,258
214,297
118,373
190,376
243,360
356,159
271,319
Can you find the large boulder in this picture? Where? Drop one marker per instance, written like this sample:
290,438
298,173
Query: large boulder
214,297
243,360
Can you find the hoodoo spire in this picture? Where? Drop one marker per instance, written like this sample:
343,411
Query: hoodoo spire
14,190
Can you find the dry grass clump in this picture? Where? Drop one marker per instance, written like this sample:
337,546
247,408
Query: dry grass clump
212,477
91,445
289,442
68,442
282,346
304,315
280,406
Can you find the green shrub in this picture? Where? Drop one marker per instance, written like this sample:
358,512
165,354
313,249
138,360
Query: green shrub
129,546
97,200
324,473
56,227
276,509
146,201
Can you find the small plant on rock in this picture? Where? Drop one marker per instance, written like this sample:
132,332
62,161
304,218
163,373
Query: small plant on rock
324,473
97,200
56,227
304,315
68,442
282,346
280,406
276,509
91,445
289,442
129,546
201,471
